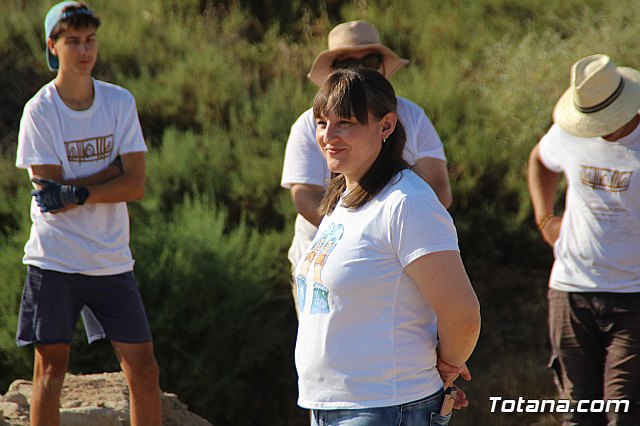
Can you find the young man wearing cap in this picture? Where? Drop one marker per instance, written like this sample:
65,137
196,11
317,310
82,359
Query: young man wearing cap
81,141
305,173
594,295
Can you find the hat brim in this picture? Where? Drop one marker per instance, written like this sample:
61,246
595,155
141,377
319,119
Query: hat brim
606,121
322,65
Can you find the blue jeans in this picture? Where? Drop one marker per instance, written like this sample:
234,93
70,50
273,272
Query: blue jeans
423,412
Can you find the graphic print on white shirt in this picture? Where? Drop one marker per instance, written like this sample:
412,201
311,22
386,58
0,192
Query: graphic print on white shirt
605,179
318,254
92,149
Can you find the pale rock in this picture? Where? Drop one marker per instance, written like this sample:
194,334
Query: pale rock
71,404
82,416
10,409
16,397
21,386
95,400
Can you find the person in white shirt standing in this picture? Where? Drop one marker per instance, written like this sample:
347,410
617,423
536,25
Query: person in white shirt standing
594,288
81,141
386,308
351,45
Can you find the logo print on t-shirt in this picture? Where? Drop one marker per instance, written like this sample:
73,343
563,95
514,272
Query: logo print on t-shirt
319,251
86,150
604,179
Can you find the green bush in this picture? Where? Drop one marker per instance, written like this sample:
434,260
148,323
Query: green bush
14,363
220,310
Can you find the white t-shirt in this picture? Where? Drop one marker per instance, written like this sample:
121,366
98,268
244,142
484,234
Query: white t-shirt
366,335
305,163
92,239
598,246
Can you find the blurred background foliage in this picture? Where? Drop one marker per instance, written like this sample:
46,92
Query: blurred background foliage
218,84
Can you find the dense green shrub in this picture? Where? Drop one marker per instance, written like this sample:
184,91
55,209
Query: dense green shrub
219,308
14,363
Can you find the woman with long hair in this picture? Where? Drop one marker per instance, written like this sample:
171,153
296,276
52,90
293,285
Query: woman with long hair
388,316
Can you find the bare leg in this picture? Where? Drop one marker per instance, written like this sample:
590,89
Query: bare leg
49,369
142,373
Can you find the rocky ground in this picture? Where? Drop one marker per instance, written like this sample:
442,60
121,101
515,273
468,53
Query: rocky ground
96,400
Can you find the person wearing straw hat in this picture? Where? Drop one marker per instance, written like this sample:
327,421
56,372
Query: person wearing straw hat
81,141
351,45
594,287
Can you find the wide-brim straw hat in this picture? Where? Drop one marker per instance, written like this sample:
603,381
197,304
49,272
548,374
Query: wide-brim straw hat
353,37
601,98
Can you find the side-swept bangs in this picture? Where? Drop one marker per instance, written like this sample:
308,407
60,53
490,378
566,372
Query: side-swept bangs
346,97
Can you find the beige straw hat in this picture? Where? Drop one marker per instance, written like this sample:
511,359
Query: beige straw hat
601,98
353,37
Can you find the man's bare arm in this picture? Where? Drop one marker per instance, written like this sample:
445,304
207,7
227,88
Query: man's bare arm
543,184
109,185
434,172
307,200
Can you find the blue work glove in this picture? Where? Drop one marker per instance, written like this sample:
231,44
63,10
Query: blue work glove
54,196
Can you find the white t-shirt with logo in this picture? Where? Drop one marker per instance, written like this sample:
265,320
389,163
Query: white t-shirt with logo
599,242
367,336
92,239
304,162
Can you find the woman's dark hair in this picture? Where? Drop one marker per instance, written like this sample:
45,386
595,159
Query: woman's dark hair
356,93
75,16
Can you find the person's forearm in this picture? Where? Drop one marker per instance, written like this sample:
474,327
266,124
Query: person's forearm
120,182
311,215
458,337
443,192
102,176
126,187
434,171
543,184
444,283
459,325
307,200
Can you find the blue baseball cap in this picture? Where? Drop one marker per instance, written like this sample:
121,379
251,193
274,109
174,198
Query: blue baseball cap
54,16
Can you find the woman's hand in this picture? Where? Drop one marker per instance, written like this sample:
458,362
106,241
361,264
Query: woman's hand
461,400
449,373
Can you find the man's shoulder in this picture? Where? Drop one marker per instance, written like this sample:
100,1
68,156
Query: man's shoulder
305,121
410,112
556,131
557,134
405,185
404,103
114,92
43,100
307,115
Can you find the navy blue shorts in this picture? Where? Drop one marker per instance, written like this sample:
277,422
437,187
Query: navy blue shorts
111,308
